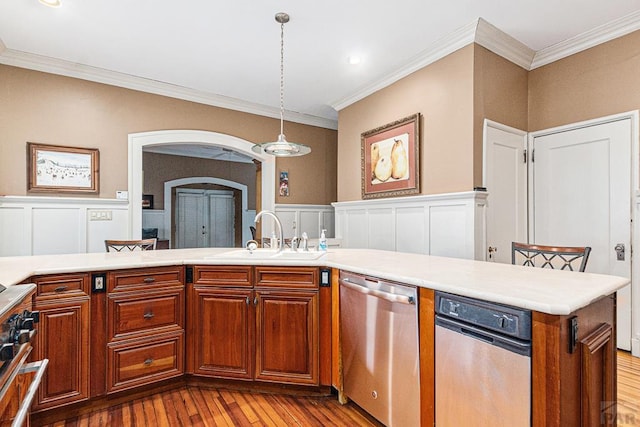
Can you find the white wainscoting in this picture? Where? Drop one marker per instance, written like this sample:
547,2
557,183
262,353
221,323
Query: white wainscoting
450,224
311,219
60,225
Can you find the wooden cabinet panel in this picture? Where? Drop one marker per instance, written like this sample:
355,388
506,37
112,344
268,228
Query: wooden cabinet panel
144,312
287,337
64,285
287,277
223,331
227,276
63,338
598,391
145,278
136,362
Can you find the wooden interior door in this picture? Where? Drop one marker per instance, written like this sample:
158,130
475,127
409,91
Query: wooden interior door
505,178
582,197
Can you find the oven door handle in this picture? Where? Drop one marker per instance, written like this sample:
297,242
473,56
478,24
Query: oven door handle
363,289
39,368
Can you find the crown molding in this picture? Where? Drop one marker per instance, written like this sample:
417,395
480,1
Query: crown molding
70,69
604,33
501,43
443,47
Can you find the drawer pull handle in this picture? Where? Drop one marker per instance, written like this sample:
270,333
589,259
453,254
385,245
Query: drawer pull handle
148,362
149,280
148,315
60,289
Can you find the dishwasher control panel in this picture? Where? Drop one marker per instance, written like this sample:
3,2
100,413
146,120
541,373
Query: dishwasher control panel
511,321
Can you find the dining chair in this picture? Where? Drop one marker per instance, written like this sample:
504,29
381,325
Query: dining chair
130,245
558,257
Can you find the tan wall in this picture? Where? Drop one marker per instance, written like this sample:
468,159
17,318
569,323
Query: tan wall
594,83
51,109
159,168
501,95
443,93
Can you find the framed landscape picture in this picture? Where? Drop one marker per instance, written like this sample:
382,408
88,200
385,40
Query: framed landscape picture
390,159
55,168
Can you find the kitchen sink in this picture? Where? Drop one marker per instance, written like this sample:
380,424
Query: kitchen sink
269,254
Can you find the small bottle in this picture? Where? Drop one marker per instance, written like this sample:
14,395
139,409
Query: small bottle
322,243
273,243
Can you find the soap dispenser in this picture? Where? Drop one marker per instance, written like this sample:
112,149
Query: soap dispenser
322,243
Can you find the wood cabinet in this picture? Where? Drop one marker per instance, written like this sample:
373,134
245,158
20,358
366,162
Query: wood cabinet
255,323
145,326
63,338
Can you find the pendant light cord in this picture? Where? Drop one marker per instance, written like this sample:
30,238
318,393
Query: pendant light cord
282,78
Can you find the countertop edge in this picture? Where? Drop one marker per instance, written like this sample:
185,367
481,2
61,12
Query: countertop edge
438,273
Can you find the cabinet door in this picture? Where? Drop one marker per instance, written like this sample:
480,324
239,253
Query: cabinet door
223,324
287,337
63,338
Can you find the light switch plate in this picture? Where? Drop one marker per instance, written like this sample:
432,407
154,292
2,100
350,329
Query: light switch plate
122,194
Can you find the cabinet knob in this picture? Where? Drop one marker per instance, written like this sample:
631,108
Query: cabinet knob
149,315
149,280
148,362
60,289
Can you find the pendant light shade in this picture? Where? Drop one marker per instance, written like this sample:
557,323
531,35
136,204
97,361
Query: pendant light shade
281,147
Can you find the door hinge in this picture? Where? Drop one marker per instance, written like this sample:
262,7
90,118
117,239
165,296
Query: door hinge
524,156
533,155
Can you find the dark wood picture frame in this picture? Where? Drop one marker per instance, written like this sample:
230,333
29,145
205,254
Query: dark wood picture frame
147,201
61,169
391,159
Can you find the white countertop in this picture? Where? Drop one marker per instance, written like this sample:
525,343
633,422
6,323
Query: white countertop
544,290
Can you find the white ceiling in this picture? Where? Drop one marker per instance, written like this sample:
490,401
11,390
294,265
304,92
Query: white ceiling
227,53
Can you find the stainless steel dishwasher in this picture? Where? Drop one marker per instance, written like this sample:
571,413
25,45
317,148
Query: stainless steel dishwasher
483,363
379,328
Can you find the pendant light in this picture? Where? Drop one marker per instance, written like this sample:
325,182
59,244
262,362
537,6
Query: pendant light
281,147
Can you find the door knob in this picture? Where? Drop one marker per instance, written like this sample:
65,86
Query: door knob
619,248
492,249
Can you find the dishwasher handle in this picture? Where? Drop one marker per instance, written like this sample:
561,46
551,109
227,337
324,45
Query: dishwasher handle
402,299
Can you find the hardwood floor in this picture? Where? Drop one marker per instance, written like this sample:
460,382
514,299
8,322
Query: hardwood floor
628,389
195,406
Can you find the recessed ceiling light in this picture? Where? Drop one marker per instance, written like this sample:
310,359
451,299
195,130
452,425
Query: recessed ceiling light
354,60
50,3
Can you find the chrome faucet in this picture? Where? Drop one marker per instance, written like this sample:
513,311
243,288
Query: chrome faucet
278,223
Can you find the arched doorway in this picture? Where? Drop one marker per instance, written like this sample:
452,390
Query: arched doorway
170,185
137,142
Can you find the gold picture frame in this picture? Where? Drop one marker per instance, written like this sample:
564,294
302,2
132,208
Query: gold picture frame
391,159
60,169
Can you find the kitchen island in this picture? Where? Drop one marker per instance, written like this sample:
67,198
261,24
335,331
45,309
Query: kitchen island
573,320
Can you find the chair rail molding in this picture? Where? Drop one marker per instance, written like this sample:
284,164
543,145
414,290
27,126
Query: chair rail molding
450,224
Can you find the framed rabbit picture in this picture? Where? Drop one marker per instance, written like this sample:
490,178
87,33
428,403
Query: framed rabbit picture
390,159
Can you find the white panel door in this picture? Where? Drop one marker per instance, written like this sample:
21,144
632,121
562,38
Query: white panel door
505,178
582,197
190,215
221,218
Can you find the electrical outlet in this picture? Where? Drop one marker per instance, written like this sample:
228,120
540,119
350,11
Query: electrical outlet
98,282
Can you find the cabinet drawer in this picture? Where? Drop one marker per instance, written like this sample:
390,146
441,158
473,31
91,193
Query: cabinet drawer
139,362
145,278
143,312
287,277
226,276
64,285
